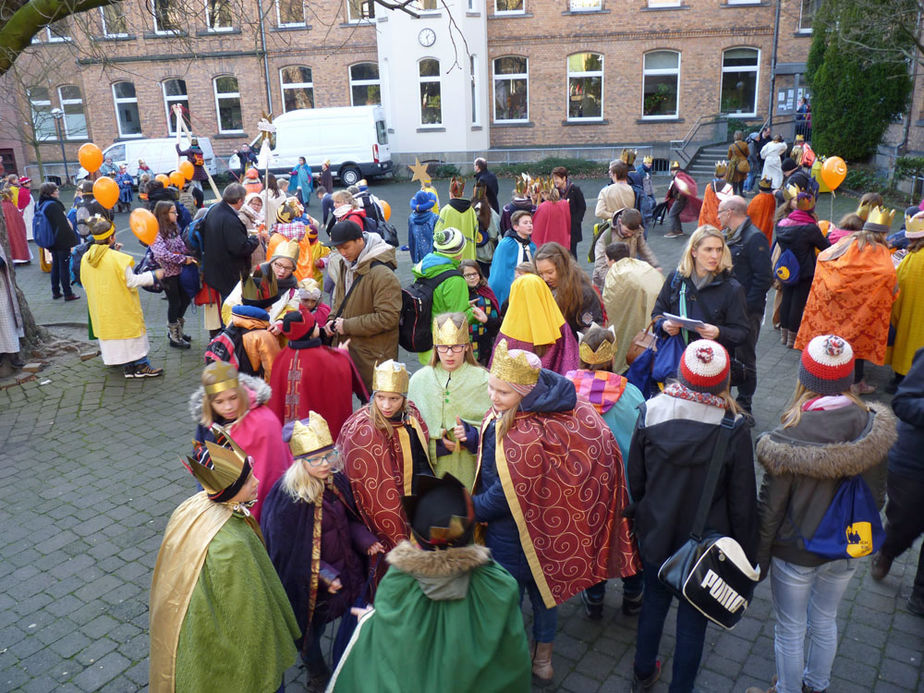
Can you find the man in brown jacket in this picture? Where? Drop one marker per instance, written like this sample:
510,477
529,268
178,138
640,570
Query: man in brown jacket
366,298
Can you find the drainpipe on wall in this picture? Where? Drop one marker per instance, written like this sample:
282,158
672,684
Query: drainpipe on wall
266,76
776,41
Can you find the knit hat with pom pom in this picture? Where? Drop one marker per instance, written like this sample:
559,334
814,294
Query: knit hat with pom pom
827,365
704,367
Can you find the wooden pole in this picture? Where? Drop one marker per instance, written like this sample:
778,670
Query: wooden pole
178,110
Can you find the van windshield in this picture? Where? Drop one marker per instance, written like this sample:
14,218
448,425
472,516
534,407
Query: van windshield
381,132
116,153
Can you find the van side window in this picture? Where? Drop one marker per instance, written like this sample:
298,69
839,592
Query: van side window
117,153
380,132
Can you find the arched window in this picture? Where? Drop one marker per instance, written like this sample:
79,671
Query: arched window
660,84
228,104
511,89
739,81
365,87
431,109
175,94
126,105
297,88
75,120
585,86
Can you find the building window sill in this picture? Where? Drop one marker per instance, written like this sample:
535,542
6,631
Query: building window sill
524,124
472,13
126,138
358,23
511,15
585,121
666,9
578,13
732,5
477,128
114,37
291,27
652,121
218,32
240,134
803,33
431,128
165,34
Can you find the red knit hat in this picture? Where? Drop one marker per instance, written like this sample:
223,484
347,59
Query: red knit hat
827,365
297,325
704,367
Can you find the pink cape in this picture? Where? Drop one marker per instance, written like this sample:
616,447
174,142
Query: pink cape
259,434
552,223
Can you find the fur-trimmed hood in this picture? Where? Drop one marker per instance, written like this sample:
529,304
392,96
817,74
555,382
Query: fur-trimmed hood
258,390
782,451
442,575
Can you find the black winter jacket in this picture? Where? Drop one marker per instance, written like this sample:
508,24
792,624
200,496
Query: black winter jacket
669,456
905,457
752,268
806,463
578,206
489,181
226,248
720,303
802,239
65,238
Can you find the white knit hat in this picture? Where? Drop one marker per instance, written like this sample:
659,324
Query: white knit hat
704,367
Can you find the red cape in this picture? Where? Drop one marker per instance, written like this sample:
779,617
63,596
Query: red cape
552,222
315,378
16,230
380,470
259,434
563,477
689,190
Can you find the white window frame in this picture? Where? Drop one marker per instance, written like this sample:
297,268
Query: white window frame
576,6
72,102
658,4
509,77
476,93
116,99
742,2
505,13
44,35
158,30
429,79
736,69
358,20
655,72
279,21
472,6
416,5
364,82
106,32
219,96
41,116
807,30
172,100
295,85
578,75
217,29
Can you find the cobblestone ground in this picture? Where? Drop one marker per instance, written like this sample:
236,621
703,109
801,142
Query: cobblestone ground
91,471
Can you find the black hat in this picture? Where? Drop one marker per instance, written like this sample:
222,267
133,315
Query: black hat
344,231
441,514
789,165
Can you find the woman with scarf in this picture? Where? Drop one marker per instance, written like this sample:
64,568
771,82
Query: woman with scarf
534,322
301,182
451,390
251,215
480,295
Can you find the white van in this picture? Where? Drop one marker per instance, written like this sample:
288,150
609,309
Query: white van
354,138
158,153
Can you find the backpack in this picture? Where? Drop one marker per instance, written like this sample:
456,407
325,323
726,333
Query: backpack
850,527
228,346
72,218
42,230
192,234
415,326
786,268
149,264
197,158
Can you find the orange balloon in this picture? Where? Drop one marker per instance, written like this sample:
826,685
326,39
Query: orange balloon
90,157
163,178
386,209
833,171
187,169
143,224
178,179
106,191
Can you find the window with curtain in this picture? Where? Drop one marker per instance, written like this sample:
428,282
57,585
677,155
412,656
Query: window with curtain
511,89
585,86
297,87
660,84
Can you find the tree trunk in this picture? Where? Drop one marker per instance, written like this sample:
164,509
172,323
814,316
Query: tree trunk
34,335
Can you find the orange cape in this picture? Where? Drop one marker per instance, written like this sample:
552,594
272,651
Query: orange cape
761,211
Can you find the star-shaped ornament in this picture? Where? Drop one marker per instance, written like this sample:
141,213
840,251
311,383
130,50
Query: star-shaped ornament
420,172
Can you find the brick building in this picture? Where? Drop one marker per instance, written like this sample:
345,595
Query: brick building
493,76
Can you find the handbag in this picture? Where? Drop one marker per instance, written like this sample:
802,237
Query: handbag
667,357
149,264
711,571
644,339
850,527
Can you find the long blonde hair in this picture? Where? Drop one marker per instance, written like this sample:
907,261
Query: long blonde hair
687,264
792,415
300,485
505,422
379,420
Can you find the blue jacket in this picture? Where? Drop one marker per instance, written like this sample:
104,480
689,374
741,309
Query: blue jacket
552,393
420,234
905,458
505,261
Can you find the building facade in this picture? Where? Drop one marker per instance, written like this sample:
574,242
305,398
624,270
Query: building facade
465,77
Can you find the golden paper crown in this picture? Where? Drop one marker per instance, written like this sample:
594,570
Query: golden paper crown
914,228
311,437
289,210
628,155
879,216
800,138
224,375
804,200
219,466
266,292
675,164
721,167
513,370
648,161
605,352
390,376
288,250
863,211
449,334
522,184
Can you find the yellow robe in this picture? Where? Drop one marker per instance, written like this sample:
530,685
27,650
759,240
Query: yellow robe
908,312
115,309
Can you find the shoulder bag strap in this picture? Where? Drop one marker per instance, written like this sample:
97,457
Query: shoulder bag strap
712,476
343,303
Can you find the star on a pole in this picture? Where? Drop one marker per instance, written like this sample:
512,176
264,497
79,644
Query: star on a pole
420,172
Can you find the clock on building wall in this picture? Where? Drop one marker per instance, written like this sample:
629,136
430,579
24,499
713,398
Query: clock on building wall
426,37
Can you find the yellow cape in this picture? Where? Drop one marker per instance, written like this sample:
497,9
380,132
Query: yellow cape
532,315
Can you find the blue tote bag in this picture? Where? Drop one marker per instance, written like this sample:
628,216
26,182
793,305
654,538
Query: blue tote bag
851,527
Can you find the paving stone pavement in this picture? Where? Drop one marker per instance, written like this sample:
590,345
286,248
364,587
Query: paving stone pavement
91,470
